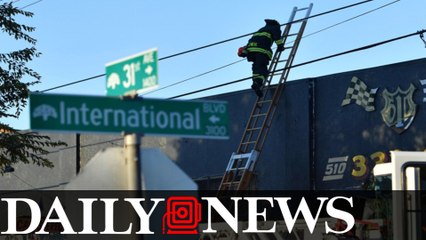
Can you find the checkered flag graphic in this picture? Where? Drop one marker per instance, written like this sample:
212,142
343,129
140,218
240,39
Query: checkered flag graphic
359,93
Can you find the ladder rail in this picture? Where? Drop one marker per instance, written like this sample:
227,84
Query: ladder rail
273,106
275,96
275,60
232,173
257,108
261,117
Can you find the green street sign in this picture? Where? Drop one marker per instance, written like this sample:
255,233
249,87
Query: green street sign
76,113
134,74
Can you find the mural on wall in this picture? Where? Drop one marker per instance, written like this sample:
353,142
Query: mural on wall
360,94
359,137
399,110
423,83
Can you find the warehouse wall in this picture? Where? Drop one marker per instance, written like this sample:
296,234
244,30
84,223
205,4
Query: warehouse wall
351,131
314,141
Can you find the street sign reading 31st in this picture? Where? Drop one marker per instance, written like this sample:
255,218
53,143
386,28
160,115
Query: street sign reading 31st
54,112
137,73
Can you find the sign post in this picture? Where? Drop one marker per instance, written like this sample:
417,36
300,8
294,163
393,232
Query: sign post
133,161
130,115
129,76
132,144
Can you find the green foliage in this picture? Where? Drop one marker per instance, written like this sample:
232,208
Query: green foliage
26,147
13,91
17,146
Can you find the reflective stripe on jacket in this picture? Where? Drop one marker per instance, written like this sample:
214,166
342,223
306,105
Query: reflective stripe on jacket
262,40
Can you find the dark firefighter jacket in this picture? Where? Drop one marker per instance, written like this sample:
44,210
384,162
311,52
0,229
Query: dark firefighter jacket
262,40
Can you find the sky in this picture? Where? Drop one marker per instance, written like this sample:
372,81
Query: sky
77,38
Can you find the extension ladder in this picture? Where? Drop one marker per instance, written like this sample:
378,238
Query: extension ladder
241,165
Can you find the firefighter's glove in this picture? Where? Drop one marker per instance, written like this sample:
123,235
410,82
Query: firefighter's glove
242,52
280,47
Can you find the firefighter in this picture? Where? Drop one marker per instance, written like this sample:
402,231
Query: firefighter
258,50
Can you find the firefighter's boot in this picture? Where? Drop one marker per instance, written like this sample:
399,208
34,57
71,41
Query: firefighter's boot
257,86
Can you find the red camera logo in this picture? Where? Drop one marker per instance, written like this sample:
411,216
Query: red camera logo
182,215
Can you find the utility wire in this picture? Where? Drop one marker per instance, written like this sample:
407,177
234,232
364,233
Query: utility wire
182,53
72,83
249,34
359,49
112,142
15,1
421,32
30,4
32,187
305,36
22,180
352,18
193,77
210,45
308,62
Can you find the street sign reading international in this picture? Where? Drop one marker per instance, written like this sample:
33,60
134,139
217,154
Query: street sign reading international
134,74
76,113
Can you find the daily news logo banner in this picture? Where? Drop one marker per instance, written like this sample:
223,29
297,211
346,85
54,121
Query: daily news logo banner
176,215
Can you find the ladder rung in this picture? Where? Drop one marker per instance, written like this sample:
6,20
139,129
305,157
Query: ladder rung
240,168
292,34
254,129
236,169
280,61
301,9
265,101
246,143
231,183
259,115
238,157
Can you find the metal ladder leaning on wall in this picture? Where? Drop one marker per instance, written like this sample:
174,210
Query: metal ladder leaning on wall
240,168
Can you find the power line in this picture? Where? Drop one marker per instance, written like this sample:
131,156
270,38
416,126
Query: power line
31,4
15,1
275,72
112,142
216,69
212,44
72,83
421,32
249,34
196,76
22,180
352,18
32,187
308,35
359,49
297,65
308,62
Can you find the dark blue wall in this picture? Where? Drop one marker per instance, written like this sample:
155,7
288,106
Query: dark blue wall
353,132
310,127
